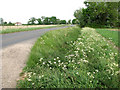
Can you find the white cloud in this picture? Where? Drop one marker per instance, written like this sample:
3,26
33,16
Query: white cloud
22,10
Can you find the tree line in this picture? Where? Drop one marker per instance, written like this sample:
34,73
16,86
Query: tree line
99,14
41,21
49,20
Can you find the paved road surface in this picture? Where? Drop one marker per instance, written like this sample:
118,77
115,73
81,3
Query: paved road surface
13,38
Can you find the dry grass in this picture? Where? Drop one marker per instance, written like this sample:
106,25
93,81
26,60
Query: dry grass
29,26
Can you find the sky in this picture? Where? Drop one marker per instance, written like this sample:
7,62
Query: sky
23,10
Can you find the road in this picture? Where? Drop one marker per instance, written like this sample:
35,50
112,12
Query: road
13,38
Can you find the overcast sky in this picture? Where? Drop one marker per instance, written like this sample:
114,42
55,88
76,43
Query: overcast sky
22,10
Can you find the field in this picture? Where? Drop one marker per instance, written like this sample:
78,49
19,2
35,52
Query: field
71,58
23,26
111,35
11,29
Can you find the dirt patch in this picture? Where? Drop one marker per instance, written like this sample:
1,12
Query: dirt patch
13,60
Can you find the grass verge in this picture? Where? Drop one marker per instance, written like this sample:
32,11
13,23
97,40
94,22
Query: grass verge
71,58
26,29
110,35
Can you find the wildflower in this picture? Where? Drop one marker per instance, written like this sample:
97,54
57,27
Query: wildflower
115,64
64,65
85,61
88,73
41,59
77,73
78,49
59,61
57,57
42,75
66,56
34,73
96,70
49,61
73,60
79,38
43,62
71,55
54,62
39,77
48,65
29,79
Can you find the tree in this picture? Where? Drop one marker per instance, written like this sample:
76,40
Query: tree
46,21
10,23
118,14
98,14
39,21
69,21
32,20
80,19
1,21
42,18
63,22
5,23
53,20
74,21
58,21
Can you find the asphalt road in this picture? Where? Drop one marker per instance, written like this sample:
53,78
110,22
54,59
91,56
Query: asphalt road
13,38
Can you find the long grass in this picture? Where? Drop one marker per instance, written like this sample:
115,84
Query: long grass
110,35
71,58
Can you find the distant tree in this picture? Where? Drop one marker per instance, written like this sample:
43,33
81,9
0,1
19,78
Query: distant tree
32,20
5,23
42,19
46,21
10,23
53,20
39,21
1,21
58,21
74,21
63,22
69,21
29,22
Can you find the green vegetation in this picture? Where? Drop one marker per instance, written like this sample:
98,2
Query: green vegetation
26,29
46,21
70,58
110,35
98,14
